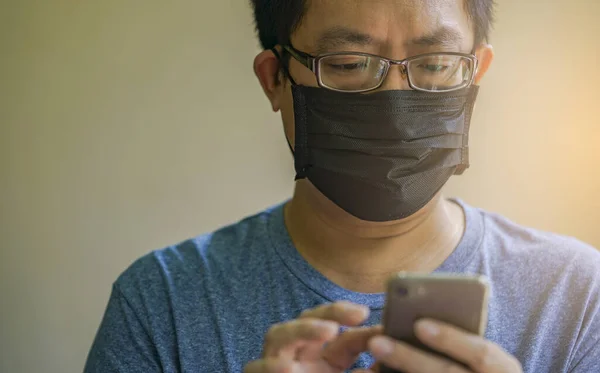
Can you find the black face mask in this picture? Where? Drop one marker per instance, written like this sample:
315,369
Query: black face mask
381,156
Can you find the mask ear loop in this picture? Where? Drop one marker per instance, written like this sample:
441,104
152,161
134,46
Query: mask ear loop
300,171
288,76
284,66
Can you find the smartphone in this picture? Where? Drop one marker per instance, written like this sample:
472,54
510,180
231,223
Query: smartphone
459,300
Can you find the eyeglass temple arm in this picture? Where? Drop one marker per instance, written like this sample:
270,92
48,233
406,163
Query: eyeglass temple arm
305,59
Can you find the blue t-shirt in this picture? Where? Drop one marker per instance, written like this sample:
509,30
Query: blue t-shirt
206,304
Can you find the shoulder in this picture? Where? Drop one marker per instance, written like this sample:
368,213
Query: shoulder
508,241
547,277
198,260
555,271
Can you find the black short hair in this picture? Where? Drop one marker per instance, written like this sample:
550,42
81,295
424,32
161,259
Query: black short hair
276,20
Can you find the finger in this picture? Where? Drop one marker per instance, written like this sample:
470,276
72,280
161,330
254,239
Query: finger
345,313
270,366
342,352
479,354
283,340
400,356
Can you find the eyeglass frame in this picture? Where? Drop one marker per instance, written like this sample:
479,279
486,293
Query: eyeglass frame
312,63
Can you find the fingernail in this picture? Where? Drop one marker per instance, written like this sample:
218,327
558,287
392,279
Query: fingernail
428,329
364,310
382,346
327,325
350,306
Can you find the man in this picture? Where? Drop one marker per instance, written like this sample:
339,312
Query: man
376,99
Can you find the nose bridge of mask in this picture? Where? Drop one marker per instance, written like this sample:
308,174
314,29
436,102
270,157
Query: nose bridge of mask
408,118
403,125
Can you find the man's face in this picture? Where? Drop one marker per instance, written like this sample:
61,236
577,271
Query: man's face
395,29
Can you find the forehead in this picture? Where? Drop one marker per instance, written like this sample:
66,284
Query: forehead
389,22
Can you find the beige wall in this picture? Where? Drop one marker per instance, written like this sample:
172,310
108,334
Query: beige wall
129,125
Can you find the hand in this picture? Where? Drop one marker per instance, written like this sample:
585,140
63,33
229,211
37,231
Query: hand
299,345
480,355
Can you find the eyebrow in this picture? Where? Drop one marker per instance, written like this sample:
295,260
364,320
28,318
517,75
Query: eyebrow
444,36
339,36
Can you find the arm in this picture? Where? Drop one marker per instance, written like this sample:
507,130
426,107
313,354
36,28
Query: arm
586,354
122,344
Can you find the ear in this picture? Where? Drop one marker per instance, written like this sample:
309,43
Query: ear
485,55
266,69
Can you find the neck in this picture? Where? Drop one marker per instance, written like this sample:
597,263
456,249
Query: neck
360,255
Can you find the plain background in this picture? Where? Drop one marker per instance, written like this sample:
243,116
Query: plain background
130,125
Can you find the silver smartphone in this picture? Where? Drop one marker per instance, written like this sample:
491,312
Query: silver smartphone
459,300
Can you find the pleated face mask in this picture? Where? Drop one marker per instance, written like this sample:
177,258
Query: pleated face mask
381,156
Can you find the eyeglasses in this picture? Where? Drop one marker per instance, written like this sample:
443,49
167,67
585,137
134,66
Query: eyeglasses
363,72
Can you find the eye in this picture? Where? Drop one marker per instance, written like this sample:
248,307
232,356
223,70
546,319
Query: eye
433,68
348,66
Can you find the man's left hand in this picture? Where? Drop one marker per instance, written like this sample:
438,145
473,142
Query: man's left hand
480,355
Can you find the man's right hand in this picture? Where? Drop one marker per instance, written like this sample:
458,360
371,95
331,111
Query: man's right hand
312,342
